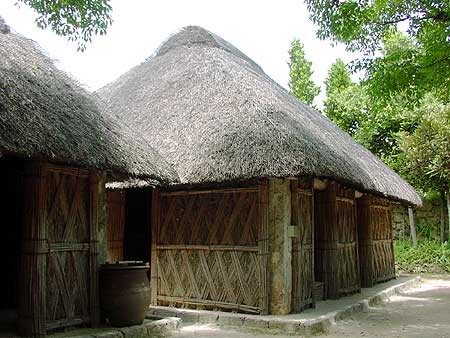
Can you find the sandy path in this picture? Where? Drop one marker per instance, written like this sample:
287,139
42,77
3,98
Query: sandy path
420,312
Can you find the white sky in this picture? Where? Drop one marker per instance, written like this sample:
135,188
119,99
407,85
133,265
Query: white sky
262,29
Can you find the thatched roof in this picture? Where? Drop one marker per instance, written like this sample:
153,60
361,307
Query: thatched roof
216,116
45,114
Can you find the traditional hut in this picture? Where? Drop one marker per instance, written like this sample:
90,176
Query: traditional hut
267,201
56,151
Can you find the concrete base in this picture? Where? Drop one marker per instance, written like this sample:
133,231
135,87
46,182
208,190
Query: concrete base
152,327
309,322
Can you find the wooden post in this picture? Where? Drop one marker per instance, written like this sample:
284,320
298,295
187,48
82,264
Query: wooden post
32,283
412,226
94,304
263,246
153,247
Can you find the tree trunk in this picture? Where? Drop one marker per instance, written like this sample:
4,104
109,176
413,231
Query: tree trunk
412,226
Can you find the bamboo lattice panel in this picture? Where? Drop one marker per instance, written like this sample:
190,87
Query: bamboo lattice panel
382,245
116,225
348,275
302,247
207,250
68,231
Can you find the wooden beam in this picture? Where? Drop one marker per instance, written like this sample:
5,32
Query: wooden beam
320,184
154,249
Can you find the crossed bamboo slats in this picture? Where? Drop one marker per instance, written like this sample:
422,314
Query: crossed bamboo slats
302,247
212,277
208,250
349,280
382,245
68,245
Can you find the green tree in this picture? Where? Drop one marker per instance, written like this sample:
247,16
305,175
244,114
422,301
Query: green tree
364,25
338,77
346,101
300,83
426,153
78,20
382,125
398,69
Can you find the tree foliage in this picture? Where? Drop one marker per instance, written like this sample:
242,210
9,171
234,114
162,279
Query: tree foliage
78,20
381,129
396,99
427,150
338,77
362,24
346,101
300,72
368,25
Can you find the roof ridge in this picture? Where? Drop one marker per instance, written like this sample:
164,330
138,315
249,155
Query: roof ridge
190,36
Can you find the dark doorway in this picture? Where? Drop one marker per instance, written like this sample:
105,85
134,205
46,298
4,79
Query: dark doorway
11,210
137,237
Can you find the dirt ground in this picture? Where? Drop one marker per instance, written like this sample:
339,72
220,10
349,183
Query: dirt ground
420,312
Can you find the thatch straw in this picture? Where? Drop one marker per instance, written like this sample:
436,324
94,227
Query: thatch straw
45,114
216,116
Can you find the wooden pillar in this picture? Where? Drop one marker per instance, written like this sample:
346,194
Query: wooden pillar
365,232
32,294
153,245
326,240
102,220
280,246
97,248
263,245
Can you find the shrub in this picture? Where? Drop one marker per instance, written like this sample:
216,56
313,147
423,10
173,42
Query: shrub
430,256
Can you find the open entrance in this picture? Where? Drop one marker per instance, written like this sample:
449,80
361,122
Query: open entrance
137,236
11,210
129,230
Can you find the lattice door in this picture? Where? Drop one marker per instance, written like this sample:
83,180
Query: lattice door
69,240
349,279
382,244
207,252
302,248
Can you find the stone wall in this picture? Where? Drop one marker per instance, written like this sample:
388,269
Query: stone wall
428,218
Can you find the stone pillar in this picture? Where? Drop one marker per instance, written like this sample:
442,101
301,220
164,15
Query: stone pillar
280,247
